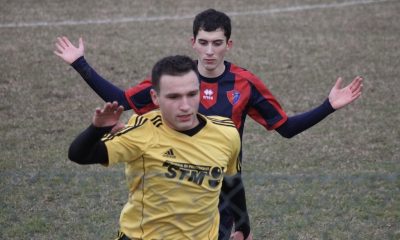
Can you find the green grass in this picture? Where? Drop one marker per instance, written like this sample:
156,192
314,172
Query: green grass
338,180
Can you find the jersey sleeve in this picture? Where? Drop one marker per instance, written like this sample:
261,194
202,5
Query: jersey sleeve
104,88
129,143
139,98
264,108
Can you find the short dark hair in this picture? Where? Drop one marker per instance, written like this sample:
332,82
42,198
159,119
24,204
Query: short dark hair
177,65
210,20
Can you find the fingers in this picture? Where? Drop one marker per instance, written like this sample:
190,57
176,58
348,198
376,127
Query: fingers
356,87
356,93
98,111
113,108
110,107
80,43
66,41
57,53
119,110
338,83
63,43
356,84
59,47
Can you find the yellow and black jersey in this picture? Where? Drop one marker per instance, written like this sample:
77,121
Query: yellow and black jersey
174,179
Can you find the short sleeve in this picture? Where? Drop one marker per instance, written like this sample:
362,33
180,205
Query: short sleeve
129,143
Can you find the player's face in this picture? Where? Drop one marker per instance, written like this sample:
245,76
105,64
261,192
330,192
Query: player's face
211,48
178,99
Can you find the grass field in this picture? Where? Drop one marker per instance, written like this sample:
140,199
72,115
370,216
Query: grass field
338,180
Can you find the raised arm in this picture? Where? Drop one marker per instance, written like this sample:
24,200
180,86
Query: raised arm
338,98
75,57
87,147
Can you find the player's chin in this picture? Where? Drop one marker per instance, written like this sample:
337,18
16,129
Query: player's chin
210,65
184,125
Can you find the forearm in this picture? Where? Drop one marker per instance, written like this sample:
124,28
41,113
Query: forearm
233,191
87,147
298,123
106,90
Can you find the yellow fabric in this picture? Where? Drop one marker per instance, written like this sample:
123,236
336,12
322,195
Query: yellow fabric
174,179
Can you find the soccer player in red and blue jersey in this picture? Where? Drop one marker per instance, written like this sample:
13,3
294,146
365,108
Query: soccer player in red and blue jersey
226,90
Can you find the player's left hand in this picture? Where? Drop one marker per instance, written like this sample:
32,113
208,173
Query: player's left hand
340,97
239,236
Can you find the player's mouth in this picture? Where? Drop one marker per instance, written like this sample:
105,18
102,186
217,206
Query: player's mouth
184,118
209,61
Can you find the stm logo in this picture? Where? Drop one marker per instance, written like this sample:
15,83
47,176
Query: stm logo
208,94
194,173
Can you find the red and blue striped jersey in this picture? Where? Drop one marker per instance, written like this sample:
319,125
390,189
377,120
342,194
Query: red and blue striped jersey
234,94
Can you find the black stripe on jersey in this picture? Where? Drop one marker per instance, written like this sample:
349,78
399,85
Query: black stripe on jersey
223,122
138,122
157,121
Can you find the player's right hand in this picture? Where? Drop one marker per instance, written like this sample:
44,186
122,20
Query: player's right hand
67,51
108,115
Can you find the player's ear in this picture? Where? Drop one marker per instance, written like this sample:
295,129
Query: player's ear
154,97
192,41
229,44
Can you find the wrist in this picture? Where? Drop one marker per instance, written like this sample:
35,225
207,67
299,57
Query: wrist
328,106
100,130
78,61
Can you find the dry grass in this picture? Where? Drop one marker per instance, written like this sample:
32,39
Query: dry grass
338,180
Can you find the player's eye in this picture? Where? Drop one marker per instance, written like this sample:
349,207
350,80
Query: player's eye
203,43
193,94
172,96
218,43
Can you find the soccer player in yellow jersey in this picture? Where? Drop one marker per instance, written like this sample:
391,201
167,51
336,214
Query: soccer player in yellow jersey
175,158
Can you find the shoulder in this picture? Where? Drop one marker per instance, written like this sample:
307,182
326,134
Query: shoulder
144,122
138,128
223,132
243,73
153,118
219,120
223,126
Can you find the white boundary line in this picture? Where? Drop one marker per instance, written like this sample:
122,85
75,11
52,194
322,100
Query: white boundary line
164,18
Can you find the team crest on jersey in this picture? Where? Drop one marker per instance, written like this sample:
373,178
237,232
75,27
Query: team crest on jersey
209,94
233,96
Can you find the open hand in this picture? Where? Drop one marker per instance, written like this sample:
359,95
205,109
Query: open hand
67,51
340,97
108,115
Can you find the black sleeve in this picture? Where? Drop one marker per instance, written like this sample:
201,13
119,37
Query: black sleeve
233,192
105,89
298,123
87,147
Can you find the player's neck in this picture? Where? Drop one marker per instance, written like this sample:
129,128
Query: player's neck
216,72
197,128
